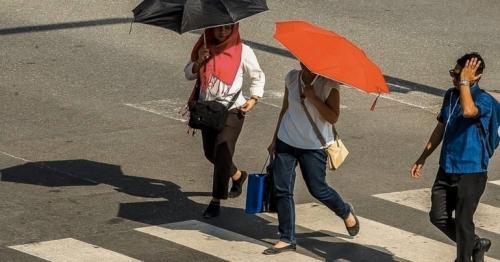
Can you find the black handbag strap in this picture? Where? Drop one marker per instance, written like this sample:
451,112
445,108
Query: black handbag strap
233,100
197,89
265,163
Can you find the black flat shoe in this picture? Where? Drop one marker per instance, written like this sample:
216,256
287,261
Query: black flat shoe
237,187
481,246
213,210
276,250
354,230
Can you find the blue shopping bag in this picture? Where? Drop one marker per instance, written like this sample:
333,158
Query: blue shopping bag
255,193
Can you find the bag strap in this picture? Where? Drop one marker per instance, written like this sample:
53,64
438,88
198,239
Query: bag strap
233,100
195,94
314,126
265,163
335,133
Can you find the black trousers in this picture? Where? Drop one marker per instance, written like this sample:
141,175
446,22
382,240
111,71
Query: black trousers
219,150
459,193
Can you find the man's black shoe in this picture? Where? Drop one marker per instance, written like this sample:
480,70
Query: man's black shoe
213,210
481,246
237,187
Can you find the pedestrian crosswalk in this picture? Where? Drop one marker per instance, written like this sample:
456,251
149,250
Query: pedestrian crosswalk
384,242
399,243
71,250
217,242
486,216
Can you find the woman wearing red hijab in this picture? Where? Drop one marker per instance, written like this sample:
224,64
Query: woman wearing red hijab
219,66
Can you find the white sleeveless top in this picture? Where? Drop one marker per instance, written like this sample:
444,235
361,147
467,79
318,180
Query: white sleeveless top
295,128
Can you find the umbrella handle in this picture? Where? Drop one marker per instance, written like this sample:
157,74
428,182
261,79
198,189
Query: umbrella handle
204,40
312,83
372,108
314,80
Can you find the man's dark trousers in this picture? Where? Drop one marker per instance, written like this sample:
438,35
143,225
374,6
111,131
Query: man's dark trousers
459,193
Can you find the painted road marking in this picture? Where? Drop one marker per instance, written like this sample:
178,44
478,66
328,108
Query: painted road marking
486,216
13,156
218,242
169,108
414,98
496,182
387,239
172,108
71,250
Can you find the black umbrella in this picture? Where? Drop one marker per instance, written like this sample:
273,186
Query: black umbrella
187,15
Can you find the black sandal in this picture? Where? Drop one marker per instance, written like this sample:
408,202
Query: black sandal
213,210
237,187
354,230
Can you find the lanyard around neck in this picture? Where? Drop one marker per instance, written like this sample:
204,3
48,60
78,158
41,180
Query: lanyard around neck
450,112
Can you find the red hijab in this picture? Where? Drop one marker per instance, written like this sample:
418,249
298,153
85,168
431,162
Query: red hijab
225,57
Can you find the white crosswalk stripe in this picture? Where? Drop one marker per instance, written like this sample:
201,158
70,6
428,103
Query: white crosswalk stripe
71,250
486,216
395,241
218,242
495,182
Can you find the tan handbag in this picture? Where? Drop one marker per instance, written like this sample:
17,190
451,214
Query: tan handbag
336,152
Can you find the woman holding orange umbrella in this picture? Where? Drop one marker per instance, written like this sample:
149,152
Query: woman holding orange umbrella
295,142
311,106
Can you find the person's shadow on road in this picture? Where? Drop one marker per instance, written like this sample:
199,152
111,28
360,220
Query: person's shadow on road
175,205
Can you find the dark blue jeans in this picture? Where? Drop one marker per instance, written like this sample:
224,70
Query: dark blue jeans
313,166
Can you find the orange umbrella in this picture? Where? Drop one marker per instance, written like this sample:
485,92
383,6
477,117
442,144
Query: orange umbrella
330,55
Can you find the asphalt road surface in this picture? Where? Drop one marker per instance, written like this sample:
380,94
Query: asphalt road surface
96,165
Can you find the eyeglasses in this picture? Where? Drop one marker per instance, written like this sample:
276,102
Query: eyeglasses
454,73
224,28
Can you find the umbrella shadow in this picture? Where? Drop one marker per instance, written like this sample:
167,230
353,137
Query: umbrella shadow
82,172
174,205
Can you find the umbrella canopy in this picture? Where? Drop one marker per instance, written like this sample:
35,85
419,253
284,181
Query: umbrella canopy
330,55
187,15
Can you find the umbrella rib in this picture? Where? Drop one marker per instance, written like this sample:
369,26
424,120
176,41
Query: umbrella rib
229,13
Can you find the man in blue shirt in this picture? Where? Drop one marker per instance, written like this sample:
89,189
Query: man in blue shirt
463,163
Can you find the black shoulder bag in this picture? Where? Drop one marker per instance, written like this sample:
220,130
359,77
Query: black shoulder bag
209,114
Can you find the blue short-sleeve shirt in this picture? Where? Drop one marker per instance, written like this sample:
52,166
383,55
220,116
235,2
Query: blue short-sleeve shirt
462,151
